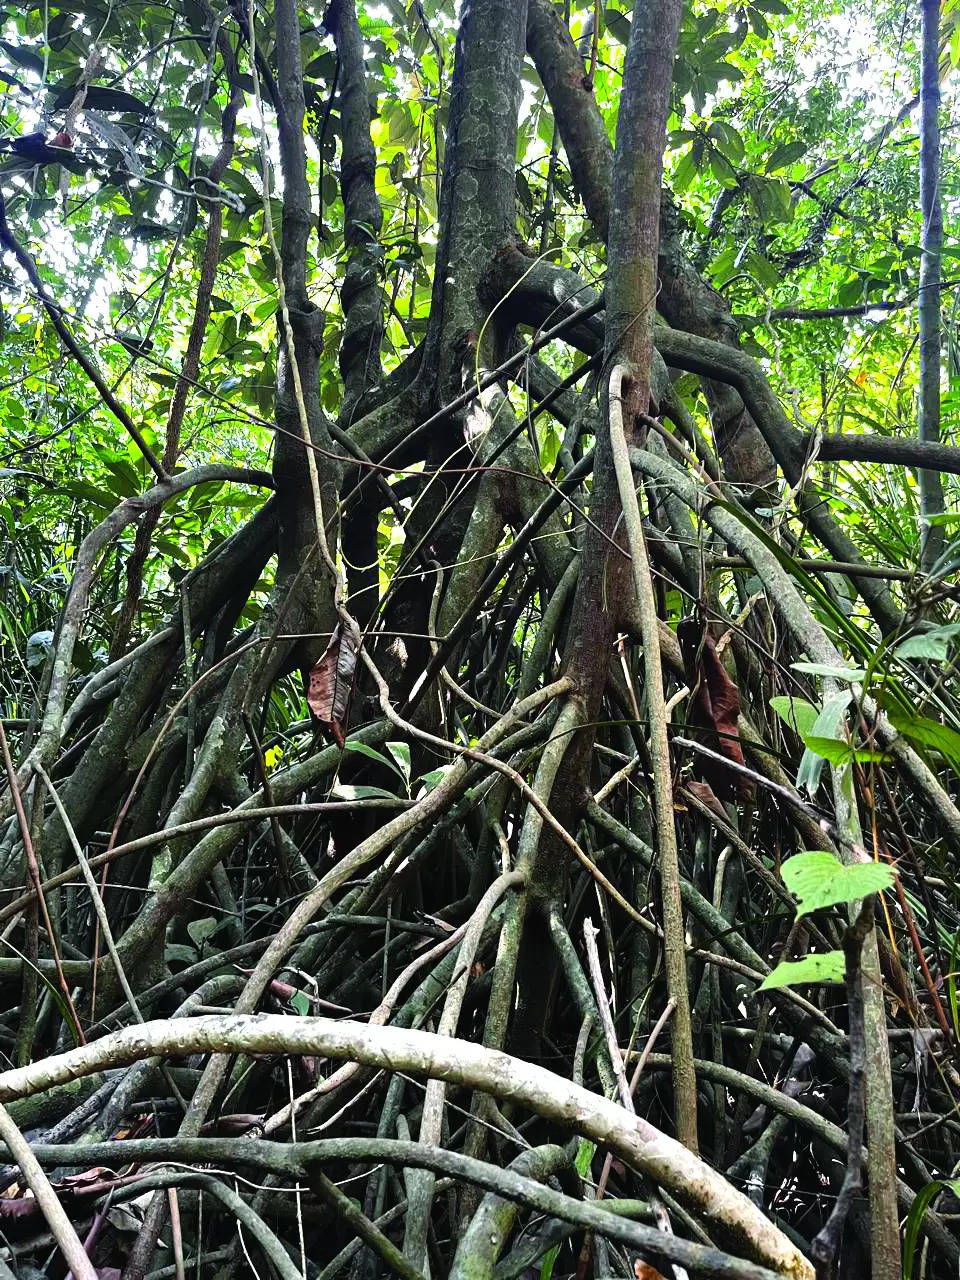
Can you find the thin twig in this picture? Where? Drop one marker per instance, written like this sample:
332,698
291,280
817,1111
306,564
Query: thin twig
49,1202
34,869
826,1244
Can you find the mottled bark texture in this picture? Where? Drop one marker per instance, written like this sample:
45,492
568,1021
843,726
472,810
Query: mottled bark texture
684,299
931,488
477,211
361,295
632,241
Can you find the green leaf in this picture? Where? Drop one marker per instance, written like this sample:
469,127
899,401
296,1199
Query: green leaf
758,23
728,141
855,675
179,951
401,753
685,172
720,71
201,930
763,272
99,98
786,154
344,792
799,714
826,725
924,732
839,751
429,780
933,644
723,170
584,1158
723,266
53,990
771,199
618,24
819,880
362,749
921,1202
23,56
828,967
549,1260
850,293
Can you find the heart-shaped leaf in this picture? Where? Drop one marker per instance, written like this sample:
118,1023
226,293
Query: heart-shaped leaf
819,880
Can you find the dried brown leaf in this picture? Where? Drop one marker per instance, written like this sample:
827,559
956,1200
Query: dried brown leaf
18,1207
331,680
715,706
644,1271
703,792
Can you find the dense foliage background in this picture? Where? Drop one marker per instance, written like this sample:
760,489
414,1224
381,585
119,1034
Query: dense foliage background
400,721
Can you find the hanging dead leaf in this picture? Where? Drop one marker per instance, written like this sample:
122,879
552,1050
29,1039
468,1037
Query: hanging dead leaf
331,681
714,706
703,792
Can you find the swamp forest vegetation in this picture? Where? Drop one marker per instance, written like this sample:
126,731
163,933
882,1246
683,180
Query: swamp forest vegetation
479,634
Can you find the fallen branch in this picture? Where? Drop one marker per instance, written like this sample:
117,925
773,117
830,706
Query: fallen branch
633,1139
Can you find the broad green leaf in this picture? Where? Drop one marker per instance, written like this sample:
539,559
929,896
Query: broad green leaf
724,265
933,644
362,749
853,674
728,141
818,879
786,154
429,780
851,292
758,23
618,24
23,56
771,199
799,714
924,732
685,171
763,272
201,930
839,751
723,170
828,967
345,791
